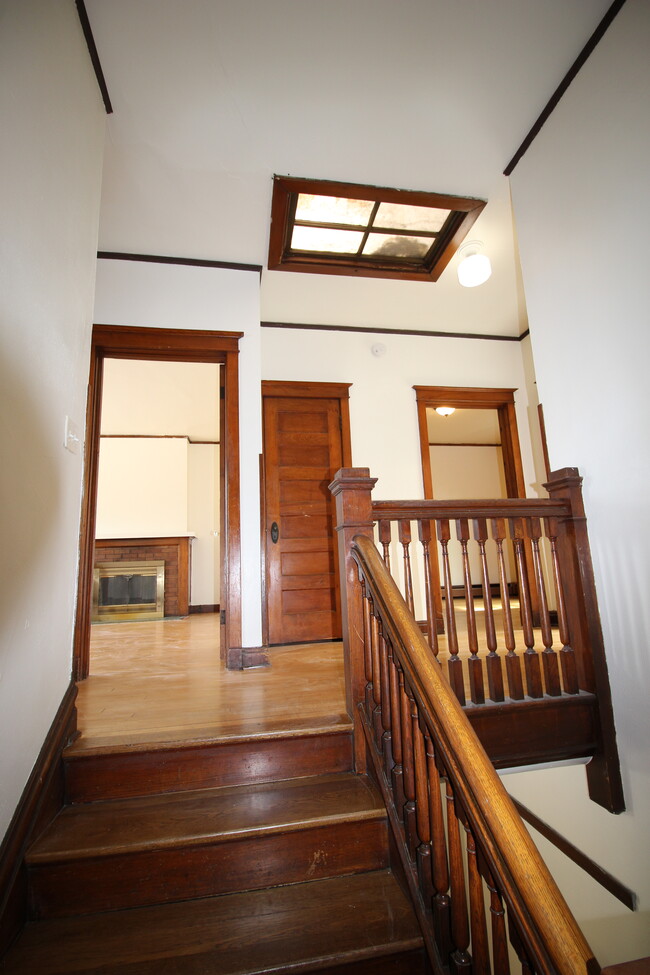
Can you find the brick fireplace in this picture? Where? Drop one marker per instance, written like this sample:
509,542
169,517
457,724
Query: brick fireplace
174,551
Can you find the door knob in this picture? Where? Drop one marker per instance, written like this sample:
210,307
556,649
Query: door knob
275,532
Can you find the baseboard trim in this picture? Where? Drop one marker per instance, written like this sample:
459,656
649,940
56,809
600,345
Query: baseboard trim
205,608
243,658
42,798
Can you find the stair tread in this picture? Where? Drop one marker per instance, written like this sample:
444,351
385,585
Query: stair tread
92,744
336,920
168,820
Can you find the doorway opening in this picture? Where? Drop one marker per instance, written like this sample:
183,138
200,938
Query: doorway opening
118,509
472,453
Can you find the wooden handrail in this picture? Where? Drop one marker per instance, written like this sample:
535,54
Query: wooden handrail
551,938
489,508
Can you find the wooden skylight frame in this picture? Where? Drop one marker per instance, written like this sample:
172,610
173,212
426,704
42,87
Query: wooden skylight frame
371,248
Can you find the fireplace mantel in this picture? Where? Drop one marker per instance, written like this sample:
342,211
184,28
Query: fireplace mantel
174,550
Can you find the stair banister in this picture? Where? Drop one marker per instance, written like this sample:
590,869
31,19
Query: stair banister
550,935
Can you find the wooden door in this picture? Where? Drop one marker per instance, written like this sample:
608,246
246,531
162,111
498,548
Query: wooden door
306,440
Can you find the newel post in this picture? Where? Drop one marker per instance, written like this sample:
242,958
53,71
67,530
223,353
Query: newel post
603,771
352,490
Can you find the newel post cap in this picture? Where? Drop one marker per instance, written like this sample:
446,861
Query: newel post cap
352,479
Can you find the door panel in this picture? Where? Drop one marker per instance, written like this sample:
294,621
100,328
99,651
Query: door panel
302,452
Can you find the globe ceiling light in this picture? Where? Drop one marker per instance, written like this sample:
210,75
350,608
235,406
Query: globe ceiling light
445,410
474,267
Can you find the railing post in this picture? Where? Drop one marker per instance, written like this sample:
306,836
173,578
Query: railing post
603,771
352,487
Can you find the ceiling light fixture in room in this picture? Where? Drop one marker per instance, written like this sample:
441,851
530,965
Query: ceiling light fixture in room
474,267
445,410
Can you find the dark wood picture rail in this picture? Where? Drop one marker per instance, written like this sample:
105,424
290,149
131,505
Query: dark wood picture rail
427,760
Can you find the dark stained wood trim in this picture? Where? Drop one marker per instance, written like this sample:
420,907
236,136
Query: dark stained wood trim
121,341
542,433
204,608
475,398
463,212
598,873
640,966
265,615
186,261
271,387
42,798
548,109
392,331
440,444
94,56
183,345
472,397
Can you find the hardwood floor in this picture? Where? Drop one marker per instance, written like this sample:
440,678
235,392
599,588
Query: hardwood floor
162,681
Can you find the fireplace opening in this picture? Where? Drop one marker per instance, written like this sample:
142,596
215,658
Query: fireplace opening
128,591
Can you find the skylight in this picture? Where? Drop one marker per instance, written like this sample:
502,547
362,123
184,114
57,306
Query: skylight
346,228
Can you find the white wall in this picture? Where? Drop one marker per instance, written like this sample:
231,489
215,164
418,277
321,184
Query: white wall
52,124
142,487
203,522
383,410
581,204
218,299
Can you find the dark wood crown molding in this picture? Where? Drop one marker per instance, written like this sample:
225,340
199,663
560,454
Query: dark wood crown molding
94,56
548,109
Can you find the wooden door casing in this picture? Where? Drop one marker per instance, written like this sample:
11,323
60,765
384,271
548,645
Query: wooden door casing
306,440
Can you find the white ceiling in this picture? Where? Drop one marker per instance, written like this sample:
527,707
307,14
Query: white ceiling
213,97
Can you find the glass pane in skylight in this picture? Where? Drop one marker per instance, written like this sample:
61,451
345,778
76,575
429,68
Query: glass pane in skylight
324,241
383,245
404,217
333,209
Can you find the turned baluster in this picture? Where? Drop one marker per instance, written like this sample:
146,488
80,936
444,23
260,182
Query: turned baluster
567,656
493,661
404,534
423,852
513,664
477,922
500,952
408,768
397,773
549,656
474,664
367,645
386,738
531,657
454,664
376,679
515,940
384,538
460,960
424,533
440,904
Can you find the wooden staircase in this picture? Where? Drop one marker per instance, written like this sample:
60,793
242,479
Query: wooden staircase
253,854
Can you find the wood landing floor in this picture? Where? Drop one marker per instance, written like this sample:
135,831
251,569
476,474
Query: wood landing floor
163,681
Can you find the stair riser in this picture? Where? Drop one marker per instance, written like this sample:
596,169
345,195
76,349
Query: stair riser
250,863
125,774
403,963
